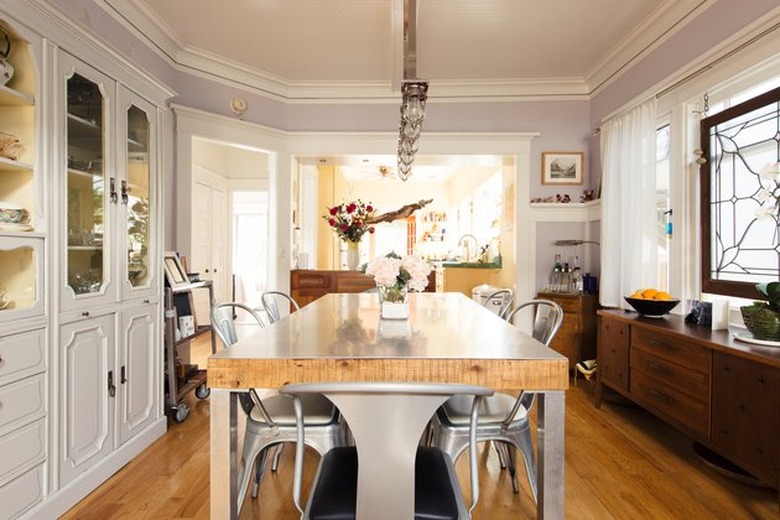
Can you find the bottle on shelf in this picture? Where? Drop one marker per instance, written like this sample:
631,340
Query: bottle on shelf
555,276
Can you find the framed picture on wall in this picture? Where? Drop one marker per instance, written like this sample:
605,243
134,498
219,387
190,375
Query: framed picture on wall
562,168
175,274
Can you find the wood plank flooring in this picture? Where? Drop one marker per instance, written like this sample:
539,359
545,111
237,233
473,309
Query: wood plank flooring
621,463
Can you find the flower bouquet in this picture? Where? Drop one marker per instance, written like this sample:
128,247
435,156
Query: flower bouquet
394,277
350,220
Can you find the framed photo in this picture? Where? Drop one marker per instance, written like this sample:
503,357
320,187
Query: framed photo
175,274
562,168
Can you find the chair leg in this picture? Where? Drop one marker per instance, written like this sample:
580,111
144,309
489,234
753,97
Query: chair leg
501,451
277,454
525,444
510,463
260,470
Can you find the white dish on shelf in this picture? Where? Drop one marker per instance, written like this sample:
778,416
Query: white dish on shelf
748,338
8,226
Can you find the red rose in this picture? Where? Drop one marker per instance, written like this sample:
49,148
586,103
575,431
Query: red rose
344,227
371,230
369,208
334,210
351,208
332,222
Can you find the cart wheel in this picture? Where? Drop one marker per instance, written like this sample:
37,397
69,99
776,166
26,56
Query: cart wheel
180,413
202,391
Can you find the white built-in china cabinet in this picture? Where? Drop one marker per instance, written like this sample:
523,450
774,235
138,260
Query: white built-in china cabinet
81,374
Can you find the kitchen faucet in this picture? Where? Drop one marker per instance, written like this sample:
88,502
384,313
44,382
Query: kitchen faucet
463,242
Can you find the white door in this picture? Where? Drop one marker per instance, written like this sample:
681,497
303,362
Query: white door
137,386
87,398
209,245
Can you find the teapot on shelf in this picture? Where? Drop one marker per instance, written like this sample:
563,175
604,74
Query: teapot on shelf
6,69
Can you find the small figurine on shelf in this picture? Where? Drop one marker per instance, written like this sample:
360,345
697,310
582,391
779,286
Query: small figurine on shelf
562,199
587,196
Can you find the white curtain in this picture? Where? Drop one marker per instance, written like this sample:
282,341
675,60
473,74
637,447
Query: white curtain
628,204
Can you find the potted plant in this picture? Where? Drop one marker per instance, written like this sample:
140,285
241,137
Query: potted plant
762,318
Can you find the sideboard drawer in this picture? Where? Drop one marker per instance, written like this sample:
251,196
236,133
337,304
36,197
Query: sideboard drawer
671,348
689,412
694,383
21,493
21,355
21,402
22,448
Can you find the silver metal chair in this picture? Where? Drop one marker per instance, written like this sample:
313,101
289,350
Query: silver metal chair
270,301
503,418
270,416
506,307
366,407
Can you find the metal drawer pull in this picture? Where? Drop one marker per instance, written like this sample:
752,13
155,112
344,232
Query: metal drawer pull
659,369
663,345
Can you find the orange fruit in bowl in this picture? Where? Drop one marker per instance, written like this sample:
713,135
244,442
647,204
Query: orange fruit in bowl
661,295
649,293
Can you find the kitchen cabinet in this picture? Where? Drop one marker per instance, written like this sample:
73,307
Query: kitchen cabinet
576,339
722,393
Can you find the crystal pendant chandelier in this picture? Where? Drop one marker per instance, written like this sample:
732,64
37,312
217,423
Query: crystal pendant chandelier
414,93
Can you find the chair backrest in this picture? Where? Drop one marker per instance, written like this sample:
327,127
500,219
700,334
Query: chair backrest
270,300
223,320
336,391
506,297
547,318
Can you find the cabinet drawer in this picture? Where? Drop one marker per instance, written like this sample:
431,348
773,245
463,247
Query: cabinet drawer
21,493
672,349
21,355
312,281
22,448
21,402
691,413
695,384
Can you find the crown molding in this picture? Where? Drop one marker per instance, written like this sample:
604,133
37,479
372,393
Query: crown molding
661,25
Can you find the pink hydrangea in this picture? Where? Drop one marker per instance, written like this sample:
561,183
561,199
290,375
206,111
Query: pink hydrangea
410,272
384,270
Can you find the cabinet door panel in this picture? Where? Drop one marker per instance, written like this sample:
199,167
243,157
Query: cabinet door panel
87,356
746,413
138,375
90,194
137,199
613,353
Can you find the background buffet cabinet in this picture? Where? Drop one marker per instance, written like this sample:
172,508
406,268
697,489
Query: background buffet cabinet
80,285
723,393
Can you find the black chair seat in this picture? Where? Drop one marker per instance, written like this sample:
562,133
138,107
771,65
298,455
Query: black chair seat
335,494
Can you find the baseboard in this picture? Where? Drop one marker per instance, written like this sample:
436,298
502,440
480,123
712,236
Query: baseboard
63,499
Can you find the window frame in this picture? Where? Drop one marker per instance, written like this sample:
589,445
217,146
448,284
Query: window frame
710,285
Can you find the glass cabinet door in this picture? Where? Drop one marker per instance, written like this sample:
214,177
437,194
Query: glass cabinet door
86,215
136,194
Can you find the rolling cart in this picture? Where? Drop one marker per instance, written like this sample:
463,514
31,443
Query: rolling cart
181,378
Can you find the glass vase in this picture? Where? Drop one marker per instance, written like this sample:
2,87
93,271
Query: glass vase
392,302
353,255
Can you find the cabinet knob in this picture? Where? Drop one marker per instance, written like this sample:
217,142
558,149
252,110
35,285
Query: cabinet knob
207,270
215,270
85,313
147,302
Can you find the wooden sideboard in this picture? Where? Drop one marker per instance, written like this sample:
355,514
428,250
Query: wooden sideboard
308,285
576,339
723,393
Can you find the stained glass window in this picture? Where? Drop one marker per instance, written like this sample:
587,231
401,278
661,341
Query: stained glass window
740,196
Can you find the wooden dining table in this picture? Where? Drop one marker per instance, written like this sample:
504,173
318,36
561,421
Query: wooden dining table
447,338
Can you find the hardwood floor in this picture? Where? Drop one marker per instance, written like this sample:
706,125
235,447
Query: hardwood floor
621,463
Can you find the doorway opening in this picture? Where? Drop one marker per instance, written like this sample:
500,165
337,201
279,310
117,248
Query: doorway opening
250,244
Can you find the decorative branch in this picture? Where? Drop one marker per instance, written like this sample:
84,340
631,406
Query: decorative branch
402,212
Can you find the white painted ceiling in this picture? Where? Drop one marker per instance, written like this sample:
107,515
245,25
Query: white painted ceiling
325,50
481,47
